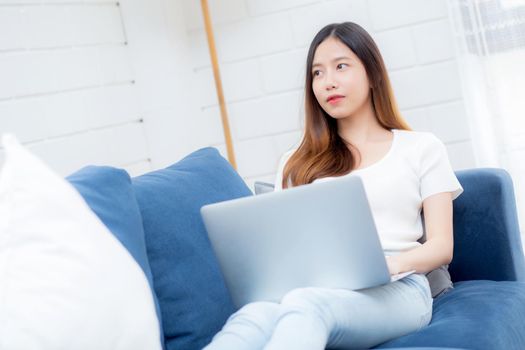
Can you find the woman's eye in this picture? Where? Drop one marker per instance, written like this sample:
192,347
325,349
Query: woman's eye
316,73
342,65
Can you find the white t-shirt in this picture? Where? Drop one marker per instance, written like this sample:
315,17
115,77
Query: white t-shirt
415,167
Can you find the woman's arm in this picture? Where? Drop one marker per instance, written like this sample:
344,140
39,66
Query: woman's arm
438,249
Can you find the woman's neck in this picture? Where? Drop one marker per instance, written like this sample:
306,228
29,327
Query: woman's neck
361,127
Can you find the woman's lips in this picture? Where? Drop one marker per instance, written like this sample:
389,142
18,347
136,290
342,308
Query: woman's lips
335,99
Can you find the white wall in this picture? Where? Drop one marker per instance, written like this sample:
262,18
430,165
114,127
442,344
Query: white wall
129,84
96,82
66,84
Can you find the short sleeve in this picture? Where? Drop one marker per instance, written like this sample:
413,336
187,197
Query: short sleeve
436,173
280,169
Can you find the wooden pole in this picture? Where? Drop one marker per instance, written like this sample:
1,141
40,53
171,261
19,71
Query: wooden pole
218,84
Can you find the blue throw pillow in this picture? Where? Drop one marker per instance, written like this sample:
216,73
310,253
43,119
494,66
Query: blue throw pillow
194,300
109,193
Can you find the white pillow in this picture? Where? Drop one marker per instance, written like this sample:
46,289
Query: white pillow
65,281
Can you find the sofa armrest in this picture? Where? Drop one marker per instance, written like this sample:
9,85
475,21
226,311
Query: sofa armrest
487,240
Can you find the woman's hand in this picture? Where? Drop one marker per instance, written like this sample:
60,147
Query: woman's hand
393,264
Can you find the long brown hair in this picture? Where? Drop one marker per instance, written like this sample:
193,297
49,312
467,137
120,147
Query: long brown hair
322,151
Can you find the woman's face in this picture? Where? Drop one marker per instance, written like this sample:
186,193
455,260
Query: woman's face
339,80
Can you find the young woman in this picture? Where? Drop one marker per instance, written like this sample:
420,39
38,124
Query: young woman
353,128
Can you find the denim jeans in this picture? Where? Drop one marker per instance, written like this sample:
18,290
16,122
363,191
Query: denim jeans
315,318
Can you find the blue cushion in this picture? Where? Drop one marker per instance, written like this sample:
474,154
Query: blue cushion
474,315
194,300
109,193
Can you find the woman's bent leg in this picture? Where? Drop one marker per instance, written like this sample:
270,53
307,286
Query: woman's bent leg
304,321
312,318
247,329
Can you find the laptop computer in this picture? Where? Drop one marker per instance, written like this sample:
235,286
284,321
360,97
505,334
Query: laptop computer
316,235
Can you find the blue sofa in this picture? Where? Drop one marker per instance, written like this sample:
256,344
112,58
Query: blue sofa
156,216
486,308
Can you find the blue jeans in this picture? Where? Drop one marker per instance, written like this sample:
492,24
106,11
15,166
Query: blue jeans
315,318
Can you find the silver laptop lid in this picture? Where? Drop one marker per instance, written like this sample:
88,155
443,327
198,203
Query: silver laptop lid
320,235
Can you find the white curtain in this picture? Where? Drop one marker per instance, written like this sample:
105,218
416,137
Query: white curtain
490,37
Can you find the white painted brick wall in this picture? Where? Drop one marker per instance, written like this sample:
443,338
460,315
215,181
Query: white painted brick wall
267,116
223,11
388,14
169,93
448,122
397,47
257,36
257,8
262,48
242,80
32,25
283,71
433,41
308,20
67,85
53,115
426,85
120,146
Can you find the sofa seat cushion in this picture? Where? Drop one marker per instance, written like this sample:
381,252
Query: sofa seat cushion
188,282
474,315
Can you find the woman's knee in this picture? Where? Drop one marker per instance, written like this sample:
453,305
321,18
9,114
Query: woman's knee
248,328
262,313
310,301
